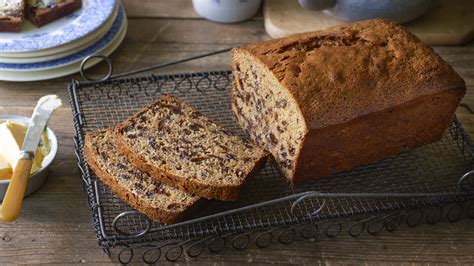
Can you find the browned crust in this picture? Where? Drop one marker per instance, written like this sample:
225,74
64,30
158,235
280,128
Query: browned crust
11,24
376,136
162,215
384,62
43,16
372,76
208,191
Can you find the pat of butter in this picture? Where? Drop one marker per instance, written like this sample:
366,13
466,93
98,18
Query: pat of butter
5,169
12,136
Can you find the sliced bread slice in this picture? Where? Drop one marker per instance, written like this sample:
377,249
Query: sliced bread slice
11,15
42,12
160,202
176,144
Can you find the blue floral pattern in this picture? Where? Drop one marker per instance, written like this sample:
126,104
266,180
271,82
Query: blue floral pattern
77,25
95,48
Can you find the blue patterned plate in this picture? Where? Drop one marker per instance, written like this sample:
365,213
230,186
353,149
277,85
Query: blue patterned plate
97,47
63,31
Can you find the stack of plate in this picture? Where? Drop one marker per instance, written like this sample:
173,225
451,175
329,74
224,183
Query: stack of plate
56,49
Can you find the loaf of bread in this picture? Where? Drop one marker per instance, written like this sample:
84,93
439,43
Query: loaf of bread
328,101
42,12
11,15
158,201
176,144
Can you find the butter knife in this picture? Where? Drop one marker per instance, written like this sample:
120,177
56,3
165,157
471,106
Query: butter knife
10,209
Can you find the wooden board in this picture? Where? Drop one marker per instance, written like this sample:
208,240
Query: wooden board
449,23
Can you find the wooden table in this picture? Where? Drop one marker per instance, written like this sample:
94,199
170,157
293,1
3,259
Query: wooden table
55,224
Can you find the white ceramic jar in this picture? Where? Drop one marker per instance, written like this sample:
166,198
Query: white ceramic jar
227,11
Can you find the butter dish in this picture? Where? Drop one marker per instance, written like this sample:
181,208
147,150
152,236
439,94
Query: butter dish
38,177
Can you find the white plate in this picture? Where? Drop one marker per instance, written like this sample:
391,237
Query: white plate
75,26
61,71
61,50
95,48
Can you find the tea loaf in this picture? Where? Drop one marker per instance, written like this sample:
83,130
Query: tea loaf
327,101
42,12
161,202
11,15
172,141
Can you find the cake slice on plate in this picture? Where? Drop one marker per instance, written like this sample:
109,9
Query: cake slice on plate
11,15
42,12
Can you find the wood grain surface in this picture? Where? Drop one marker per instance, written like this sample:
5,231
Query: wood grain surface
55,226
445,24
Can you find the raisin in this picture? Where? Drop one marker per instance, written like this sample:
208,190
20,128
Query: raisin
280,129
254,74
121,166
153,144
230,156
281,103
203,174
162,124
195,127
132,136
287,164
224,169
174,206
239,110
198,147
246,159
292,150
273,139
104,155
241,84
259,105
198,159
284,123
139,186
284,154
156,182
125,177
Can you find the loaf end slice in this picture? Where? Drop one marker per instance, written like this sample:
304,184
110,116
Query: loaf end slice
11,15
173,142
41,13
327,101
159,201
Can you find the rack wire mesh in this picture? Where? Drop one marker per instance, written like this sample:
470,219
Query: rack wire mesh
427,176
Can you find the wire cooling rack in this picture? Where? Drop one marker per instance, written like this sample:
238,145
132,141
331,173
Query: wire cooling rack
411,187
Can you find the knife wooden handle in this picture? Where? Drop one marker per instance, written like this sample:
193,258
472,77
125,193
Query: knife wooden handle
10,209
